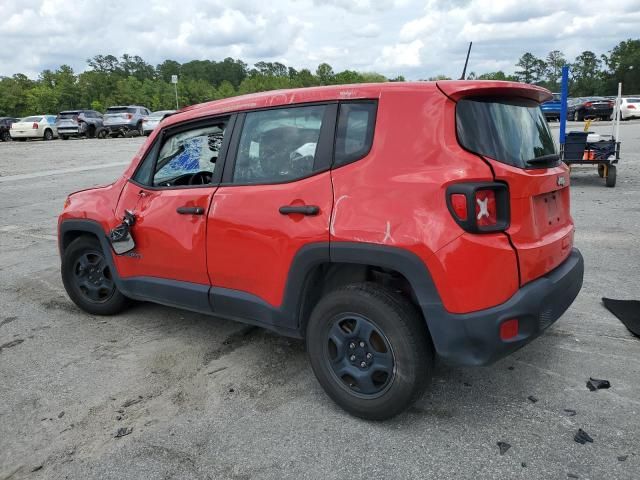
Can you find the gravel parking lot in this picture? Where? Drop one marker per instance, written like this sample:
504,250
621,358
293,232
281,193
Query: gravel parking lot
207,398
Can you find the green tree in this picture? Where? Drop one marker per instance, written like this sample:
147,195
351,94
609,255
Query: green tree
325,74
623,65
528,65
587,75
555,62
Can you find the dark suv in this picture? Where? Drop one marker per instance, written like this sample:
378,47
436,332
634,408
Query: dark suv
5,127
386,224
75,123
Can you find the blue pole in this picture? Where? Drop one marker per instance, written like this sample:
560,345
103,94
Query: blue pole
563,105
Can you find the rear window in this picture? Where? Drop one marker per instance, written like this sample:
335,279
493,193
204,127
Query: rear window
65,115
510,131
633,100
120,110
32,119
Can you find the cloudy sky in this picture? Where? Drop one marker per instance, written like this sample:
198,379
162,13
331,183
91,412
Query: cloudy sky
415,38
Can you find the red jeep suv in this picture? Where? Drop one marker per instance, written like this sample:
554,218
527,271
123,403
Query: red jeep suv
386,224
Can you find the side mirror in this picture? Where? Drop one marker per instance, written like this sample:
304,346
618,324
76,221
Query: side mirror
120,237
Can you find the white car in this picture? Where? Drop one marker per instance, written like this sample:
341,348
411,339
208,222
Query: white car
37,126
630,108
151,121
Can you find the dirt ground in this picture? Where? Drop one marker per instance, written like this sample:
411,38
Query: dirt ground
203,398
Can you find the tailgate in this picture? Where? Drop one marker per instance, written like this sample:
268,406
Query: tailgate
541,228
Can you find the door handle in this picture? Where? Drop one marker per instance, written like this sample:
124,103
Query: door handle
301,209
190,210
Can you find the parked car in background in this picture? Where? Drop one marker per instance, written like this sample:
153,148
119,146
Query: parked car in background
36,126
551,109
123,119
292,210
5,125
630,108
151,122
590,107
74,123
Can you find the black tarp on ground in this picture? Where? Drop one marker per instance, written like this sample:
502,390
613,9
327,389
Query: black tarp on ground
627,311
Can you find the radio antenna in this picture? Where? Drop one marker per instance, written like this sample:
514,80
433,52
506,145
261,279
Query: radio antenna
464,70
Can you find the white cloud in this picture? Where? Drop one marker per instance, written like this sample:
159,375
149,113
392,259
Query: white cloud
402,55
415,38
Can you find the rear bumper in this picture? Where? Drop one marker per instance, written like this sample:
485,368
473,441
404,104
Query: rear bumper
25,134
474,338
113,127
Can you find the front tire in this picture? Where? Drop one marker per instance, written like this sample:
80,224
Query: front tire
370,350
88,279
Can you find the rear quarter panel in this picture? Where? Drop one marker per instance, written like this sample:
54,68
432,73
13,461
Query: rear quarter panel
396,197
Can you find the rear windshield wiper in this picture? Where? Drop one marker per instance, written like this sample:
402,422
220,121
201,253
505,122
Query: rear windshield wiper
544,160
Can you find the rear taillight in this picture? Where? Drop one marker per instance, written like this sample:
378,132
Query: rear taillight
129,116
479,207
588,104
35,125
631,107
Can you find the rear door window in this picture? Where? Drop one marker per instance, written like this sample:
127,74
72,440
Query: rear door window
509,130
278,145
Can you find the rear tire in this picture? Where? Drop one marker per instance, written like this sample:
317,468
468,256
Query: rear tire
370,350
6,136
88,279
611,176
577,117
48,135
63,137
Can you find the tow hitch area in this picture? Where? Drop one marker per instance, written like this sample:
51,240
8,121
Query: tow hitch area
120,237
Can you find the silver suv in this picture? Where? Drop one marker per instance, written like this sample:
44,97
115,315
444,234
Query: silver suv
124,119
76,123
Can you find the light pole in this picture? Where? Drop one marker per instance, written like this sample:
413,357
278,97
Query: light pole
174,80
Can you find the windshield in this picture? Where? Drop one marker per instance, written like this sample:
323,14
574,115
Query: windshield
510,131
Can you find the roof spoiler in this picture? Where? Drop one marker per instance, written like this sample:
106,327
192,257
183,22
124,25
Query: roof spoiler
457,89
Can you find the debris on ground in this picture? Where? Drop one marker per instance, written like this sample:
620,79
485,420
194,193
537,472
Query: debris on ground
524,464
511,368
10,344
132,401
532,399
572,475
122,431
504,446
582,437
627,311
466,384
36,468
570,412
61,414
594,384
622,458
231,390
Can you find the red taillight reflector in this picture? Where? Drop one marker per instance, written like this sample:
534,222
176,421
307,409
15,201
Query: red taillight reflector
486,210
129,116
509,329
588,104
459,205
632,107
35,125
